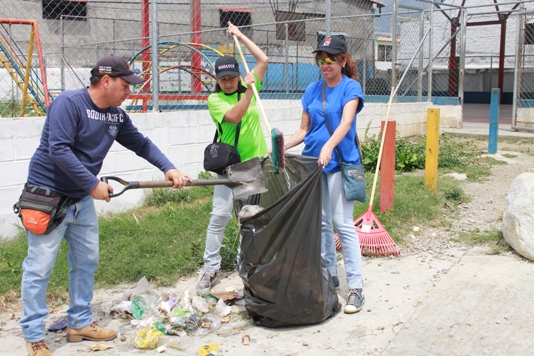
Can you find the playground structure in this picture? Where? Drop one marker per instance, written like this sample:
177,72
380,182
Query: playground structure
171,80
33,88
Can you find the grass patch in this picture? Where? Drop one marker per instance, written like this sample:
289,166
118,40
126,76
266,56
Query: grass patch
165,239
162,241
414,205
492,238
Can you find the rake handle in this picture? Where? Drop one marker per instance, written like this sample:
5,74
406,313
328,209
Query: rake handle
256,94
381,148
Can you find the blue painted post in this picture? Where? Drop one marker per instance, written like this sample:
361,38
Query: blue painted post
494,120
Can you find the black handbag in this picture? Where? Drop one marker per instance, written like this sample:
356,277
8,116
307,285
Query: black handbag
219,155
352,175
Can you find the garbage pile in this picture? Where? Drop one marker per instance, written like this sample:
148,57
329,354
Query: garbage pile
157,317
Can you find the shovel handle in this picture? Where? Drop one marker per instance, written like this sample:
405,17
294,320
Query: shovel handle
165,183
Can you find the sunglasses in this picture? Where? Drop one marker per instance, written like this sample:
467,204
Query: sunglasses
327,60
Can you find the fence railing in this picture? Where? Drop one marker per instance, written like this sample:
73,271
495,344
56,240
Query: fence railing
75,34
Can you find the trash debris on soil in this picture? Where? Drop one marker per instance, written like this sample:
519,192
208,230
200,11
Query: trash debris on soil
246,339
209,350
162,321
60,325
100,347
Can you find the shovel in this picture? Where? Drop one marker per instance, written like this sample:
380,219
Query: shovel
245,179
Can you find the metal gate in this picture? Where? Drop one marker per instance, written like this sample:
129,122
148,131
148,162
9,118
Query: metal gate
523,102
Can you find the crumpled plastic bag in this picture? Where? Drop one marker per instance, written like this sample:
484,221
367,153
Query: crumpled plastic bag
222,309
147,338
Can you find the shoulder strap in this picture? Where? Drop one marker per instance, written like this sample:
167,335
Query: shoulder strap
356,140
237,129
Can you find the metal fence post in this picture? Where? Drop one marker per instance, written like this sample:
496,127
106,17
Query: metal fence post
494,121
155,61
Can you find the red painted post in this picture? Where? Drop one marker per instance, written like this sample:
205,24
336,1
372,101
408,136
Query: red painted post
145,42
387,168
196,37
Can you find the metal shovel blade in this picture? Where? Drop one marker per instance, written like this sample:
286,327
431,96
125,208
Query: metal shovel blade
250,177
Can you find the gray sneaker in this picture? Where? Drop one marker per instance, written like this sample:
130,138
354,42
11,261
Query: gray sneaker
336,282
205,283
355,301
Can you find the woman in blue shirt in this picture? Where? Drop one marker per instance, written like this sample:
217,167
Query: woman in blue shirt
344,99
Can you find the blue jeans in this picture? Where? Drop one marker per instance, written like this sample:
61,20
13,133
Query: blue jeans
339,210
80,230
221,213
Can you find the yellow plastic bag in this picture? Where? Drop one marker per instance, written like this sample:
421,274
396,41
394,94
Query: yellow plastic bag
209,350
147,338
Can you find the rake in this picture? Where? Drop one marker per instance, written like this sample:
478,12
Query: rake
374,239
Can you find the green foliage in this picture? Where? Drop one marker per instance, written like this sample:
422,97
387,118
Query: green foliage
455,155
492,238
163,196
165,238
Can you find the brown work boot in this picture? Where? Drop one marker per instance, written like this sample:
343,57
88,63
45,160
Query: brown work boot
91,332
39,348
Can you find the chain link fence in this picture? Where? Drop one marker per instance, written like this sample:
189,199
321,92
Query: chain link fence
523,103
424,45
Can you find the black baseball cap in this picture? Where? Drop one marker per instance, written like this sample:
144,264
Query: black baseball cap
115,66
332,45
226,66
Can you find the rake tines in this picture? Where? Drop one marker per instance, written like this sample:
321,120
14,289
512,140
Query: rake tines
374,239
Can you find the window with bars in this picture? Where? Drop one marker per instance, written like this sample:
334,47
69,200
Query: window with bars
68,9
239,17
383,53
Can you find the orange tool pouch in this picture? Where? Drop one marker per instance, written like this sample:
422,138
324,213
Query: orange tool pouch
40,209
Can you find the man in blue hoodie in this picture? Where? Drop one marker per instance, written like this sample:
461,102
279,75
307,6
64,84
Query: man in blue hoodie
80,129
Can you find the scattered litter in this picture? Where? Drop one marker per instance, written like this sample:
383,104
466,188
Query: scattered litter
177,343
54,310
222,309
60,325
209,350
147,338
122,308
100,347
200,304
162,349
246,339
226,295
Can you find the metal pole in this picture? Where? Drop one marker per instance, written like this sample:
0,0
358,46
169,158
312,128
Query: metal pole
364,62
62,38
494,120
287,56
420,69
394,44
461,79
154,52
327,15
430,54
518,54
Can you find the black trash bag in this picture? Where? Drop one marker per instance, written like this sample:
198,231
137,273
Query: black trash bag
286,280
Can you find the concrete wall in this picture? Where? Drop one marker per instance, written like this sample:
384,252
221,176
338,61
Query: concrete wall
182,136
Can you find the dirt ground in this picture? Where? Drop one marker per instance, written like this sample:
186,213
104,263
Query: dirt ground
438,297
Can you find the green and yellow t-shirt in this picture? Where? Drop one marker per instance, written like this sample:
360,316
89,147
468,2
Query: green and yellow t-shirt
251,139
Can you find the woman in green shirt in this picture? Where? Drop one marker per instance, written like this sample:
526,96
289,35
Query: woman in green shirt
232,102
